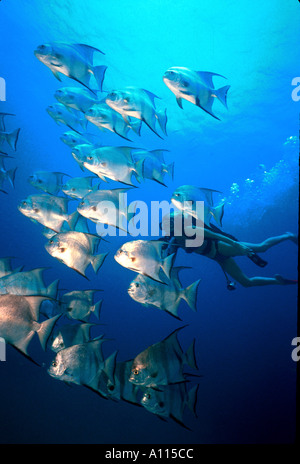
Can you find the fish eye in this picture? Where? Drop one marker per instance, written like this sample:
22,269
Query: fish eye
51,241
81,203
89,157
137,284
24,203
54,363
148,396
136,372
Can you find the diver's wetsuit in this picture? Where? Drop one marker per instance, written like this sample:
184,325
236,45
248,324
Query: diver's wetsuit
206,247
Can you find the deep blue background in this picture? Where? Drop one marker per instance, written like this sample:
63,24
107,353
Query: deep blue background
243,338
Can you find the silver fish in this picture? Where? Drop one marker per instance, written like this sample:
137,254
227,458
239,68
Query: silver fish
72,138
104,117
184,195
76,98
76,250
10,137
79,187
145,257
72,60
6,174
114,163
63,115
138,103
162,363
79,305
48,210
107,207
79,363
170,401
165,297
196,87
154,166
19,317
69,335
48,182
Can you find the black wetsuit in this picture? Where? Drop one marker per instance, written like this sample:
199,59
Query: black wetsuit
206,247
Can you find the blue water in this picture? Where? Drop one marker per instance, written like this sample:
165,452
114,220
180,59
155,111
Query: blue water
243,338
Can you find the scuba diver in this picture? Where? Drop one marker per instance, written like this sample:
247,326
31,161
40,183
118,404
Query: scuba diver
223,248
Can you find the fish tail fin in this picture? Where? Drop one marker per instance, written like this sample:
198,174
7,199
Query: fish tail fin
52,290
45,329
221,95
192,399
218,213
97,308
12,139
97,261
169,169
99,72
190,357
189,294
162,120
167,264
11,174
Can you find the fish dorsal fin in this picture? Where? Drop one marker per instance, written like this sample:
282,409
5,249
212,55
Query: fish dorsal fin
35,303
86,327
209,194
172,340
206,78
127,152
118,191
38,275
62,202
93,240
86,51
159,154
151,95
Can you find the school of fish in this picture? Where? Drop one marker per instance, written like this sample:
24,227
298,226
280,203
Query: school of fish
158,378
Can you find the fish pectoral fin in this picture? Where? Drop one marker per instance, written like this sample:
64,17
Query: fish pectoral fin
55,73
